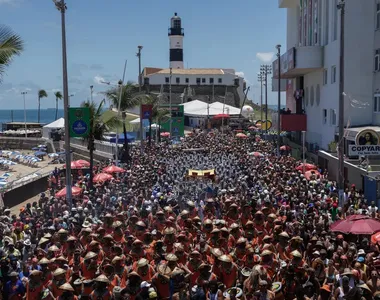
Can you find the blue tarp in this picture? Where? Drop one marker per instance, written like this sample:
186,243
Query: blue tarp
131,136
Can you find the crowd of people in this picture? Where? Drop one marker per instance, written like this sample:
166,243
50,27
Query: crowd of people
259,229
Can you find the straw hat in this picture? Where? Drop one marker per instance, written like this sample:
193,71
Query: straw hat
171,257
53,248
116,259
177,271
117,224
58,272
169,230
284,234
296,253
66,287
204,266
164,270
71,238
266,252
62,259
216,252
102,278
62,231
90,255
93,243
142,262
42,240
133,274
86,224
43,261
190,203
141,223
35,273
225,258
47,236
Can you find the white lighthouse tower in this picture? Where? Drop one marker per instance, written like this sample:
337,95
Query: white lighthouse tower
176,35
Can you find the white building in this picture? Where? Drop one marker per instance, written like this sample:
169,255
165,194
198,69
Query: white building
311,64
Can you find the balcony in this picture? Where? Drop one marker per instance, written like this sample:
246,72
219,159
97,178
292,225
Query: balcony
293,122
299,61
287,3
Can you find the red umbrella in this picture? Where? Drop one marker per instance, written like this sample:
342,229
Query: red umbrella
77,164
308,167
241,136
357,226
375,238
285,148
113,169
101,177
308,174
165,134
221,116
83,162
75,191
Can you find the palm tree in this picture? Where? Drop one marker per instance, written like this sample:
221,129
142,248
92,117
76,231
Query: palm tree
41,94
98,127
160,115
11,45
58,96
129,96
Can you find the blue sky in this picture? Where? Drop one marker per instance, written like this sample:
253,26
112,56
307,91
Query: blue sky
102,34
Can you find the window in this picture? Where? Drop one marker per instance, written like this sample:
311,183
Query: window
377,22
211,80
325,72
203,80
333,117
187,80
377,60
376,103
166,79
219,80
327,22
312,96
198,80
324,116
335,21
306,97
177,80
333,74
318,95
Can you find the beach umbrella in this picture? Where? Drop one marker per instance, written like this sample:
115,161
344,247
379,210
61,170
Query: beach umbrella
36,148
113,169
83,162
101,177
357,226
42,146
40,153
285,148
310,173
308,167
165,134
256,154
75,191
241,136
52,155
375,238
76,165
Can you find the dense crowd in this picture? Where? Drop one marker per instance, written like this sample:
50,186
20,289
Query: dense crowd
259,229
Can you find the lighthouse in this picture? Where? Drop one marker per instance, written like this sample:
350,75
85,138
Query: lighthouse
176,35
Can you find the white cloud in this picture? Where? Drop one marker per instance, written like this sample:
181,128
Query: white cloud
240,74
265,57
10,2
98,79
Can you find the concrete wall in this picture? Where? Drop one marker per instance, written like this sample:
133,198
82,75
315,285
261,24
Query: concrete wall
22,143
25,192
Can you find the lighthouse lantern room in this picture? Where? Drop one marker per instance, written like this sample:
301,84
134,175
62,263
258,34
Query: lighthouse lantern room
176,35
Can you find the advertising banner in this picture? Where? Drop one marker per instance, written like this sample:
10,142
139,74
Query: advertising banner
367,142
79,121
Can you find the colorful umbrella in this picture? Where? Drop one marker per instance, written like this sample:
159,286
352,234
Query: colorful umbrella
83,162
285,148
310,173
375,238
101,177
356,226
241,136
308,167
78,164
75,191
165,134
113,169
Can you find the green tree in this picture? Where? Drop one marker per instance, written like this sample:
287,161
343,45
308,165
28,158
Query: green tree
41,94
98,127
161,115
129,96
11,45
58,96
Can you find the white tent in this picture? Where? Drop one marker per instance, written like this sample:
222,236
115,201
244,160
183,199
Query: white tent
57,124
135,121
213,109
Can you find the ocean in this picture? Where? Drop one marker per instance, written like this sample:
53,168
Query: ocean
17,115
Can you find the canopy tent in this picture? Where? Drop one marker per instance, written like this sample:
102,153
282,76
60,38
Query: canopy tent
197,108
131,137
57,124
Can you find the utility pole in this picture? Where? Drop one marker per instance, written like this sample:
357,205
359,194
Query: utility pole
61,6
260,78
279,100
138,54
170,102
91,89
265,71
341,6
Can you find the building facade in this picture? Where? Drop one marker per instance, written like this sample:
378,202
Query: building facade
311,65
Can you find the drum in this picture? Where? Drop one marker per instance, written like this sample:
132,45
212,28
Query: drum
277,289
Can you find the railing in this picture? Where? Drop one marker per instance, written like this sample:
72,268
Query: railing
101,146
14,184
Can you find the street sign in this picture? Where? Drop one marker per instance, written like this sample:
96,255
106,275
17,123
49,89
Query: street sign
79,121
146,111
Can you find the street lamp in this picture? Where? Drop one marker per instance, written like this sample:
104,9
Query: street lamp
279,99
265,70
138,54
260,78
23,94
61,6
170,101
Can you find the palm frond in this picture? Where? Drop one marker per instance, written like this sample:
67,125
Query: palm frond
58,95
42,94
11,45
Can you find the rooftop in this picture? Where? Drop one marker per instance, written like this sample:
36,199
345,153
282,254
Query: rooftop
193,71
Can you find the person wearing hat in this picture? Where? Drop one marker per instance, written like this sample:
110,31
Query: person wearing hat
59,278
68,292
89,266
133,284
205,275
229,272
145,287
101,289
193,211
34,286
14,288
144,269
161,280
114,279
